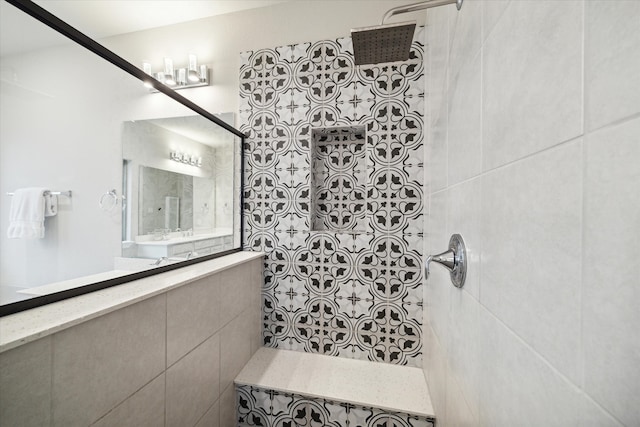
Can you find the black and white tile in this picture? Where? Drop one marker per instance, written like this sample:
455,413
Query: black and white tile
269,408
333,194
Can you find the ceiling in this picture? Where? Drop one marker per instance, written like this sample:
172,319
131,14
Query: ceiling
104,18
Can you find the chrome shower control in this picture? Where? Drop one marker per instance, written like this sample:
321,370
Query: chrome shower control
454,260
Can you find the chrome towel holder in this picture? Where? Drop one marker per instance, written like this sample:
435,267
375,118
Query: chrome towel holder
454,260
50,193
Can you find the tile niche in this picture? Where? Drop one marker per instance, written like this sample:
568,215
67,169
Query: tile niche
338,179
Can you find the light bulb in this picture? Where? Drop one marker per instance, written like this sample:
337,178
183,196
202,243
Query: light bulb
169,78
193,68
203,73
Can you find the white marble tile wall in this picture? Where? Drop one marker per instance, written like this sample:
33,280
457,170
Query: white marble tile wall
533,147
166,361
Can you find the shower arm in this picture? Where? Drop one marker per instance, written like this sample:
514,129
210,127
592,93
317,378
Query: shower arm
419,6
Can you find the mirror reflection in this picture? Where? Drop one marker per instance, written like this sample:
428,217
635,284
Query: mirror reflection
179,192
137,180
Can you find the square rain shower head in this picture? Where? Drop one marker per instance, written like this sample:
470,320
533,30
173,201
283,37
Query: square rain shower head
382,43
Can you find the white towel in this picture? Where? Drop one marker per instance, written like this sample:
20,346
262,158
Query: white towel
26,215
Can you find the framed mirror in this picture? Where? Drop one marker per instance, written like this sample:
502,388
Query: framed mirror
78,124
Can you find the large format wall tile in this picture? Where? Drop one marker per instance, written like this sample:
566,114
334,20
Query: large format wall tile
464,343
100,363
353,291
235,348
611,270
144,409
193,384
465,124
464,218
436,373
436,102
212,417
492,11
438,287
25,385
612,67
531,254
234,294
533,100
465,33
459,413
548,328
193,315
227,403
519,387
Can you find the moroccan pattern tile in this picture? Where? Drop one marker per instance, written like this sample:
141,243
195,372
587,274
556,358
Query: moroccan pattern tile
333,195
269,408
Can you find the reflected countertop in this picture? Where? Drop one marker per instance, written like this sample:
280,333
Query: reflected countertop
142,240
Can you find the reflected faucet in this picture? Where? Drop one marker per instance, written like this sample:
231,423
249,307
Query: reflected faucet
159,260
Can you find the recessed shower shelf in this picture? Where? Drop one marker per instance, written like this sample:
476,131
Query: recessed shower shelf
338,179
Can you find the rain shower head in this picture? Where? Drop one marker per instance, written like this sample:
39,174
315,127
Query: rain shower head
382,43
390,42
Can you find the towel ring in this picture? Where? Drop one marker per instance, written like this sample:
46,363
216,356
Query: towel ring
108,201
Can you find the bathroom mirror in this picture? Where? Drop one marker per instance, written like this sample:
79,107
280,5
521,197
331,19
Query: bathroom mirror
78,121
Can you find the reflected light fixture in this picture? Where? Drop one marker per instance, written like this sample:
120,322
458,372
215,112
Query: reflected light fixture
187,159
169,76
146,67
193,75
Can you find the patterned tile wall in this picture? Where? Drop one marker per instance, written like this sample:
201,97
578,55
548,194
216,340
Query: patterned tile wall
355,293
268,408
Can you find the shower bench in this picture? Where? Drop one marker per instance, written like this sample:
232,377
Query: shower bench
291,388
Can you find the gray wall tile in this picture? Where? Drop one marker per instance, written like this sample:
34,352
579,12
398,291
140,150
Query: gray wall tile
612,68
193,384
145,408
531,218
235,292
25,385
611,270
193,315
98,364
533,100
235,348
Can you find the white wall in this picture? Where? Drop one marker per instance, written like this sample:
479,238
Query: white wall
219,40
533,157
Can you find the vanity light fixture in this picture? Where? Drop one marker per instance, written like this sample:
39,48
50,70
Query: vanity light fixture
193,75
187,159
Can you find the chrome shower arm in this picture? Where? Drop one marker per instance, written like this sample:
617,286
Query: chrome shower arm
419,6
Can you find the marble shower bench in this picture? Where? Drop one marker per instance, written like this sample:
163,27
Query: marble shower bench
279,388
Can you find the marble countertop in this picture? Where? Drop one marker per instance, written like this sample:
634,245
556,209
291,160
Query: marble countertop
29,325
